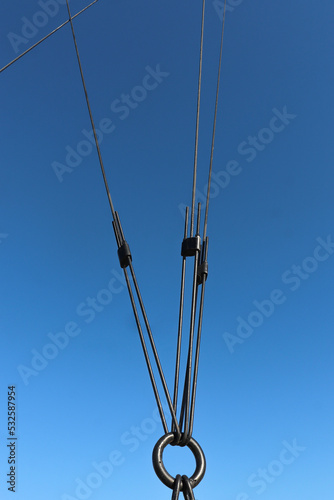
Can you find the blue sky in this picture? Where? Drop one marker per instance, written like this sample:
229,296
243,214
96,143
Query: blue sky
86,415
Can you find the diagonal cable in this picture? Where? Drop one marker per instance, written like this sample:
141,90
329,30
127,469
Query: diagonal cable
90,114
121,242
45,37
128,263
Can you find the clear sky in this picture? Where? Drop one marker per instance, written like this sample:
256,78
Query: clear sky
86,418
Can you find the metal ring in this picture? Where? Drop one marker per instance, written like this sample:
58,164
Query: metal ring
160,469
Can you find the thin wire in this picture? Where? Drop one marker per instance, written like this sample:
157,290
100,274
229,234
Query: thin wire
148,363
179,335
155,352
187,383
121,236
214,127
197,124
199,330
185,414
47,36
91,116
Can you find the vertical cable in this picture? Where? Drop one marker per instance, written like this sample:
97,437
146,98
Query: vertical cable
199,331
179,336
214,127
197,125
187,383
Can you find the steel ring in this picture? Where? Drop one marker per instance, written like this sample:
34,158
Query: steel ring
160,469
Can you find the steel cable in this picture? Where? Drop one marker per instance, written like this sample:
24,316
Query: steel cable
155,353
198,343
187,414
214,126
44,38
90,114
147,359
184,417
120,240
197,123
179,336
177,487
185,422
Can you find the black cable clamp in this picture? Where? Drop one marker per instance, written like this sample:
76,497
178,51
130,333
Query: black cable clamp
202,272
203,267
187,484
124,254
190,246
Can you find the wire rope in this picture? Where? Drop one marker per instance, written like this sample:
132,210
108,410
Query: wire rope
200,266
90,114
197,123
120,241
189,389
45,38
214,126
182,428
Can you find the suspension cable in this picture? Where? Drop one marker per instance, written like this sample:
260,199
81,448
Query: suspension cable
214,126
123,247
155,353
199,278
193,247
185,413
198,343
44,38
181,307
146,355
91,115
197,124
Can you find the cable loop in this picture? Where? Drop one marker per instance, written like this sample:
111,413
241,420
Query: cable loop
187,489
182,484
177,487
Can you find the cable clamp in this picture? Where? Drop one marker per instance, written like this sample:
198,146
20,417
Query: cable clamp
124,255
202,272
190,246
